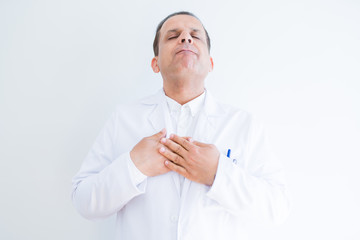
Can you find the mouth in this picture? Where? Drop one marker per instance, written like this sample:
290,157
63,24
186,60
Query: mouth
185,51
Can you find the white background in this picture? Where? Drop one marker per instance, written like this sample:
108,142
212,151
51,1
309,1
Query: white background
65,65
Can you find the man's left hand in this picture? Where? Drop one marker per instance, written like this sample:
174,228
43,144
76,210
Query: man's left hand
194,160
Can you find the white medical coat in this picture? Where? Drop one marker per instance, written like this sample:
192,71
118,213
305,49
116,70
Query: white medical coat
248,187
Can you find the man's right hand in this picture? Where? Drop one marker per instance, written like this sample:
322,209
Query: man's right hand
146,156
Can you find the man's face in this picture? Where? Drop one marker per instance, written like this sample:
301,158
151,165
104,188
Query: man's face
183,49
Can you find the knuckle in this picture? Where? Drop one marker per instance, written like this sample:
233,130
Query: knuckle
178,149
191,163
177,159
196,151
191,148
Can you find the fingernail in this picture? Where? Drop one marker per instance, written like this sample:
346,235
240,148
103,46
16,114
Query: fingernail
163,140
171,136
162,149
191,140
166,162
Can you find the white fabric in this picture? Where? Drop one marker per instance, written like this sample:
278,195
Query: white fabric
183,120
135,173
248,190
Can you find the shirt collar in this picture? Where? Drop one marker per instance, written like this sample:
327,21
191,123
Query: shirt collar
194,105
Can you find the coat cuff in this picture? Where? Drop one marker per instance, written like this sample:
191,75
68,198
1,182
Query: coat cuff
137,177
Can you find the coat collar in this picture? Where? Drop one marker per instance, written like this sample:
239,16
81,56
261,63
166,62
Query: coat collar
211,107
210,117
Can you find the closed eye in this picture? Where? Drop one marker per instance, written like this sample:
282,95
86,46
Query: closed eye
173,37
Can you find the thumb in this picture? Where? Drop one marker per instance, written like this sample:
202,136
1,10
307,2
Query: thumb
160,134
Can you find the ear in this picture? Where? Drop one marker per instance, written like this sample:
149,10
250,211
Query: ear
211,64
154,65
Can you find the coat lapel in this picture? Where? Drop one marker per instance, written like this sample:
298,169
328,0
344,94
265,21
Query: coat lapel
156,117
159,119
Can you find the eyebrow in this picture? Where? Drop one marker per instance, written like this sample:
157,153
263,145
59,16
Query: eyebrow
175,30
172,31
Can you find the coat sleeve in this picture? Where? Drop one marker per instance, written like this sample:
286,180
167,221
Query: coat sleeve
252,186
105,182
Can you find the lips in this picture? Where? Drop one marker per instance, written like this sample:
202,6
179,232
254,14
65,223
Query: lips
185,50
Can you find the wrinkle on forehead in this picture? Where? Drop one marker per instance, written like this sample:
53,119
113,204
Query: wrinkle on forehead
186,21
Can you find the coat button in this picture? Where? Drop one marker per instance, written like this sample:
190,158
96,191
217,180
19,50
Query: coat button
235,161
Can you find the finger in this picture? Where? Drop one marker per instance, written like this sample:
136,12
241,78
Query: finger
200,144
181,140
173,146
176,168
190,139
160,134
171,156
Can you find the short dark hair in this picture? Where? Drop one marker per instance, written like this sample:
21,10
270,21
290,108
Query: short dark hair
157,36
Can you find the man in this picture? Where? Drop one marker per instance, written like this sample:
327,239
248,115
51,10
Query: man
203,172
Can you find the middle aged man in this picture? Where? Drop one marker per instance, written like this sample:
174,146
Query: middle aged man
204,172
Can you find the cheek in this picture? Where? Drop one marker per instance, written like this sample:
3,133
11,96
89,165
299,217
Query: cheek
165,47
163,53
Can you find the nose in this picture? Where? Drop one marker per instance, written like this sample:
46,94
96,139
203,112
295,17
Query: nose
186,38
183,40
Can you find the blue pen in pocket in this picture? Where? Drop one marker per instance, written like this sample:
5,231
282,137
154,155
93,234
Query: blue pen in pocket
228,153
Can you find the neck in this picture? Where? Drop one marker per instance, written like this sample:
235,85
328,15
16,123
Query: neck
183,93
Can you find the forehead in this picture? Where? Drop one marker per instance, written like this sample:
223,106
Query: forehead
182,22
